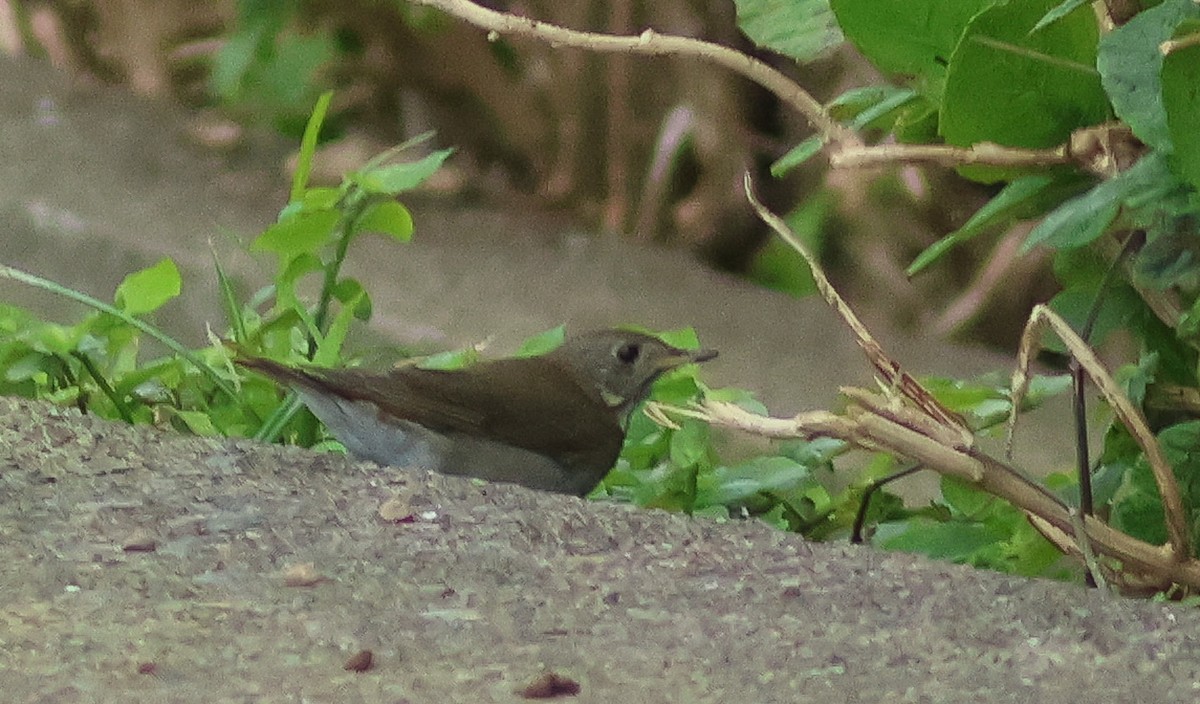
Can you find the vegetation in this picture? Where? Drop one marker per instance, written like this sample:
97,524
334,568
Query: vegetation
1086,123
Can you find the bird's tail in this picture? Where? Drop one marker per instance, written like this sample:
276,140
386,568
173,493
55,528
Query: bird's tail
281,373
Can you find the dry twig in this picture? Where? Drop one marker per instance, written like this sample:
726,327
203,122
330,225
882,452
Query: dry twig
905,420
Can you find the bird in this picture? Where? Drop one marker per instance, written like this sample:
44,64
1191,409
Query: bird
554,422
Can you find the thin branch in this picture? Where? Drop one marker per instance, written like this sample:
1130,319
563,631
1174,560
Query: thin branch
889,370
1138,557
1043,317
845,147
983,153
651,43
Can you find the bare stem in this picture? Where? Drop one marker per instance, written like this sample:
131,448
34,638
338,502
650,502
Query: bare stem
651,43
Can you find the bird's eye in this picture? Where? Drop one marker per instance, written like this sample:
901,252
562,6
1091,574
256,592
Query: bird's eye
628,353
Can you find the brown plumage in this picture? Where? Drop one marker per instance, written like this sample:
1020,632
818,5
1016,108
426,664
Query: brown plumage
555,422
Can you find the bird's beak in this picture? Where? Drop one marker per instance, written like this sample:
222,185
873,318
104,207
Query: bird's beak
681,357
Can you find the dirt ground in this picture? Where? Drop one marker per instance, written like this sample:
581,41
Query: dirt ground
141,566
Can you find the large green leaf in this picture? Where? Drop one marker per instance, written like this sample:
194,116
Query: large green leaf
914,37
1181,99
1084,218
1009,86
801,29
1025,197
1130,65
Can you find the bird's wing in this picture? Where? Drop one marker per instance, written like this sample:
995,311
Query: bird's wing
544,412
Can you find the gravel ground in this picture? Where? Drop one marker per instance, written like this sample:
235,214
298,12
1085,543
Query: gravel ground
143,566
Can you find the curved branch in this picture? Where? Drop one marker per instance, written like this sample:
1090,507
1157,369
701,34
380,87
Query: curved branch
651,43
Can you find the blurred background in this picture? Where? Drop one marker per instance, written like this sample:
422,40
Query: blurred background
629,148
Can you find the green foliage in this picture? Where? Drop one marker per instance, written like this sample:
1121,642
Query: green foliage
1032,73
1181,101
99,365
1008,85
267,69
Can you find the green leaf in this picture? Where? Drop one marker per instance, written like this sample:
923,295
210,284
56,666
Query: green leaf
389,218
397,178
451,359
1131,64
965,499
683,338
954,540
198,423
800,29
1074,305
1139,512
1060,11
726,485
305,232
1084,218
308,146
864,107
1008,86
797,155
147,290
229,302
1181,99
1023,198
329,348
351,293
914,37
883,114
689,444
543,342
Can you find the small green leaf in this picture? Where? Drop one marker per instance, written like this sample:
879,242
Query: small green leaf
1084,218
229,302
351,293
198,422
396,178
543,342
1060,11
308,145
329,349
1023,198
147,290
800,29
303,233
964,498
726,485
683,338
955,540
797,155
389,218
689,444
451,359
